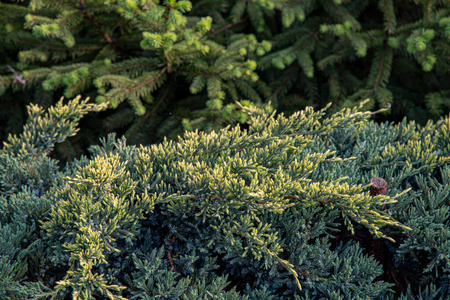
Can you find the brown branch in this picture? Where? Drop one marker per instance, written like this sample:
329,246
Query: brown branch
323,200
379,70
126,68
57,48
159,102
227,27
169,254
148,114
76,87
152,80
95,23
192,73
335,7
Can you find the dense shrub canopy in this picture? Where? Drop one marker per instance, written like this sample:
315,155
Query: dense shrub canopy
281,210
321,203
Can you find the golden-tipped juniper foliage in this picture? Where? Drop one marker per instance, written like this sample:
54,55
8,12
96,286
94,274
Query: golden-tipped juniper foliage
281,210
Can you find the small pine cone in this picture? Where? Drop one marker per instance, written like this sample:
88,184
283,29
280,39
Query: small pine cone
379,186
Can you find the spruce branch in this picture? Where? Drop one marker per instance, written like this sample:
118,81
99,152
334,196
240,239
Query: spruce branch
226,27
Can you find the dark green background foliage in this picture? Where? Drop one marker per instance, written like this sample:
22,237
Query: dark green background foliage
232,214
182,65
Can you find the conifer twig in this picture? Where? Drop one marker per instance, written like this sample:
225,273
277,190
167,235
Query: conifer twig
151,80
227,27
151,113
95,23
169,254
380,69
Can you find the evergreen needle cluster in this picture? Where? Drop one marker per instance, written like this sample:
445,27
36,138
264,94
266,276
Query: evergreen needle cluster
282,210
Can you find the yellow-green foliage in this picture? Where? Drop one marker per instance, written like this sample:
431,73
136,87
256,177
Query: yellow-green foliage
240,214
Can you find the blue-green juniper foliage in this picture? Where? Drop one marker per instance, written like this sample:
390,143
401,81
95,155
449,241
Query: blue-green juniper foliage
282,210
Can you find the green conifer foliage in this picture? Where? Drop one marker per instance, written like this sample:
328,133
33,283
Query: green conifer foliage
283,210
145,53
393,52
168,66
26,176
